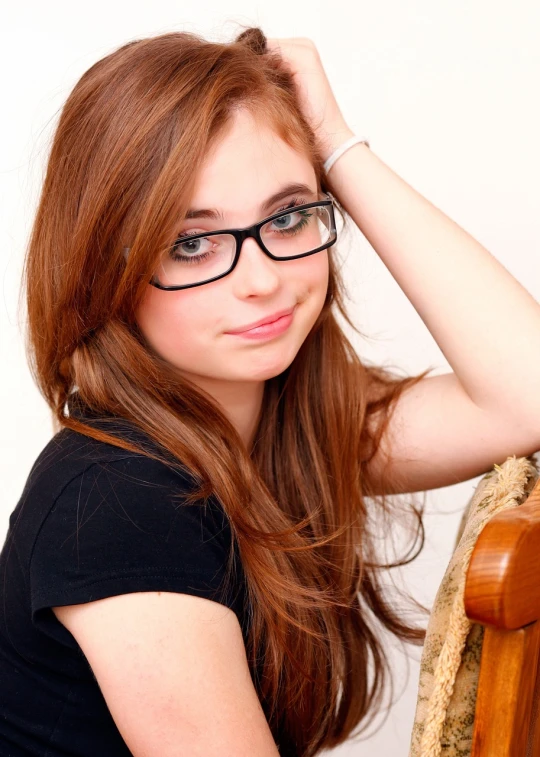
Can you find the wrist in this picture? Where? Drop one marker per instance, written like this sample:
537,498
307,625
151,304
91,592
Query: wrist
332,138
342,149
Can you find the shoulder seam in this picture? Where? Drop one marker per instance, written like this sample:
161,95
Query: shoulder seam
53,503
93,464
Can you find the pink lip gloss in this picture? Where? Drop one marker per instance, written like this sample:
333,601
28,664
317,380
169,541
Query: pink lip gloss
268,330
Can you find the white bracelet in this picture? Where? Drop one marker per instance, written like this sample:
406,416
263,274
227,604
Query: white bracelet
354,140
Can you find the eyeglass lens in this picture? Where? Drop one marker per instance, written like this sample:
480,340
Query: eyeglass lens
194,261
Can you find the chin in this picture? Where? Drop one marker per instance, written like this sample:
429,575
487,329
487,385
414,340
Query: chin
262,367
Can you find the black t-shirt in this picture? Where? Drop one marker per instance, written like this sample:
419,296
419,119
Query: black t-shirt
93,521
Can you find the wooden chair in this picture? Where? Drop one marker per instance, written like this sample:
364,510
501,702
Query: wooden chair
502,593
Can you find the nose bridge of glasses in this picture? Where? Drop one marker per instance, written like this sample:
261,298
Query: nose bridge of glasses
253,232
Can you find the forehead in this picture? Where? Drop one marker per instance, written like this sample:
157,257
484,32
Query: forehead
246,166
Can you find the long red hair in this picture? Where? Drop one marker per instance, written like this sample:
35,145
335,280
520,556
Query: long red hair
302,505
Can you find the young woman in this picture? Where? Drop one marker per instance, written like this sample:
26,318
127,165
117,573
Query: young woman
192,568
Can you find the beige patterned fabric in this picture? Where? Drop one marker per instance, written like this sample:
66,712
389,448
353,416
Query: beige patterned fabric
450,663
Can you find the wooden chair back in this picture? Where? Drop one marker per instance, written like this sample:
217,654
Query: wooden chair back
502,592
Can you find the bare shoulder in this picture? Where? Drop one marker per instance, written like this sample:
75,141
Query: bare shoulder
173,670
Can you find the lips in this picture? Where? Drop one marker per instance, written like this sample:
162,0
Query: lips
262,321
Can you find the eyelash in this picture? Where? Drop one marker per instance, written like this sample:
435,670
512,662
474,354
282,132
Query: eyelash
292,204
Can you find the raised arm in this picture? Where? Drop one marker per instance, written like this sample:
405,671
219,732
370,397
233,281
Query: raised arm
455,426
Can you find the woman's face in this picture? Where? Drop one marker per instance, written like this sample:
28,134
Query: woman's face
189,327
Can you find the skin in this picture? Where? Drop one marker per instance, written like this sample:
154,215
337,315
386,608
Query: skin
187,327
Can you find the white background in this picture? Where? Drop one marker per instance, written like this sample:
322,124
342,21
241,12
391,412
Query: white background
447,93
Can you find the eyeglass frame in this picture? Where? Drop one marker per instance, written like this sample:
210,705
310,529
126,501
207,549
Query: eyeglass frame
254,232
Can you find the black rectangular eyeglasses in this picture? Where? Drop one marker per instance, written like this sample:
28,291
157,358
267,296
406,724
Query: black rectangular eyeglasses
295,232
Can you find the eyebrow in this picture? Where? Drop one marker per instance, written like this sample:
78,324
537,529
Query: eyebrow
286,191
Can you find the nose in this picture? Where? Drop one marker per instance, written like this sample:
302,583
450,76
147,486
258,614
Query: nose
255,272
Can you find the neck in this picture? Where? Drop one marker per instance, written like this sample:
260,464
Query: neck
241,402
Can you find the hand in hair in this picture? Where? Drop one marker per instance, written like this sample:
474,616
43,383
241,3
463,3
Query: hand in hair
317,100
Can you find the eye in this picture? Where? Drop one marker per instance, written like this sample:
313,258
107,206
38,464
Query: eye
284,222
186,246
287,226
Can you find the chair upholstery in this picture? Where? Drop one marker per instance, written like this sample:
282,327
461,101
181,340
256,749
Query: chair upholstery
450,663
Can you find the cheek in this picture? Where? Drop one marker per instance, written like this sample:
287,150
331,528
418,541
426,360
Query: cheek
316,273
171,322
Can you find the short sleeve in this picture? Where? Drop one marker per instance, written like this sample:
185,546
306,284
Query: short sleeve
122,527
